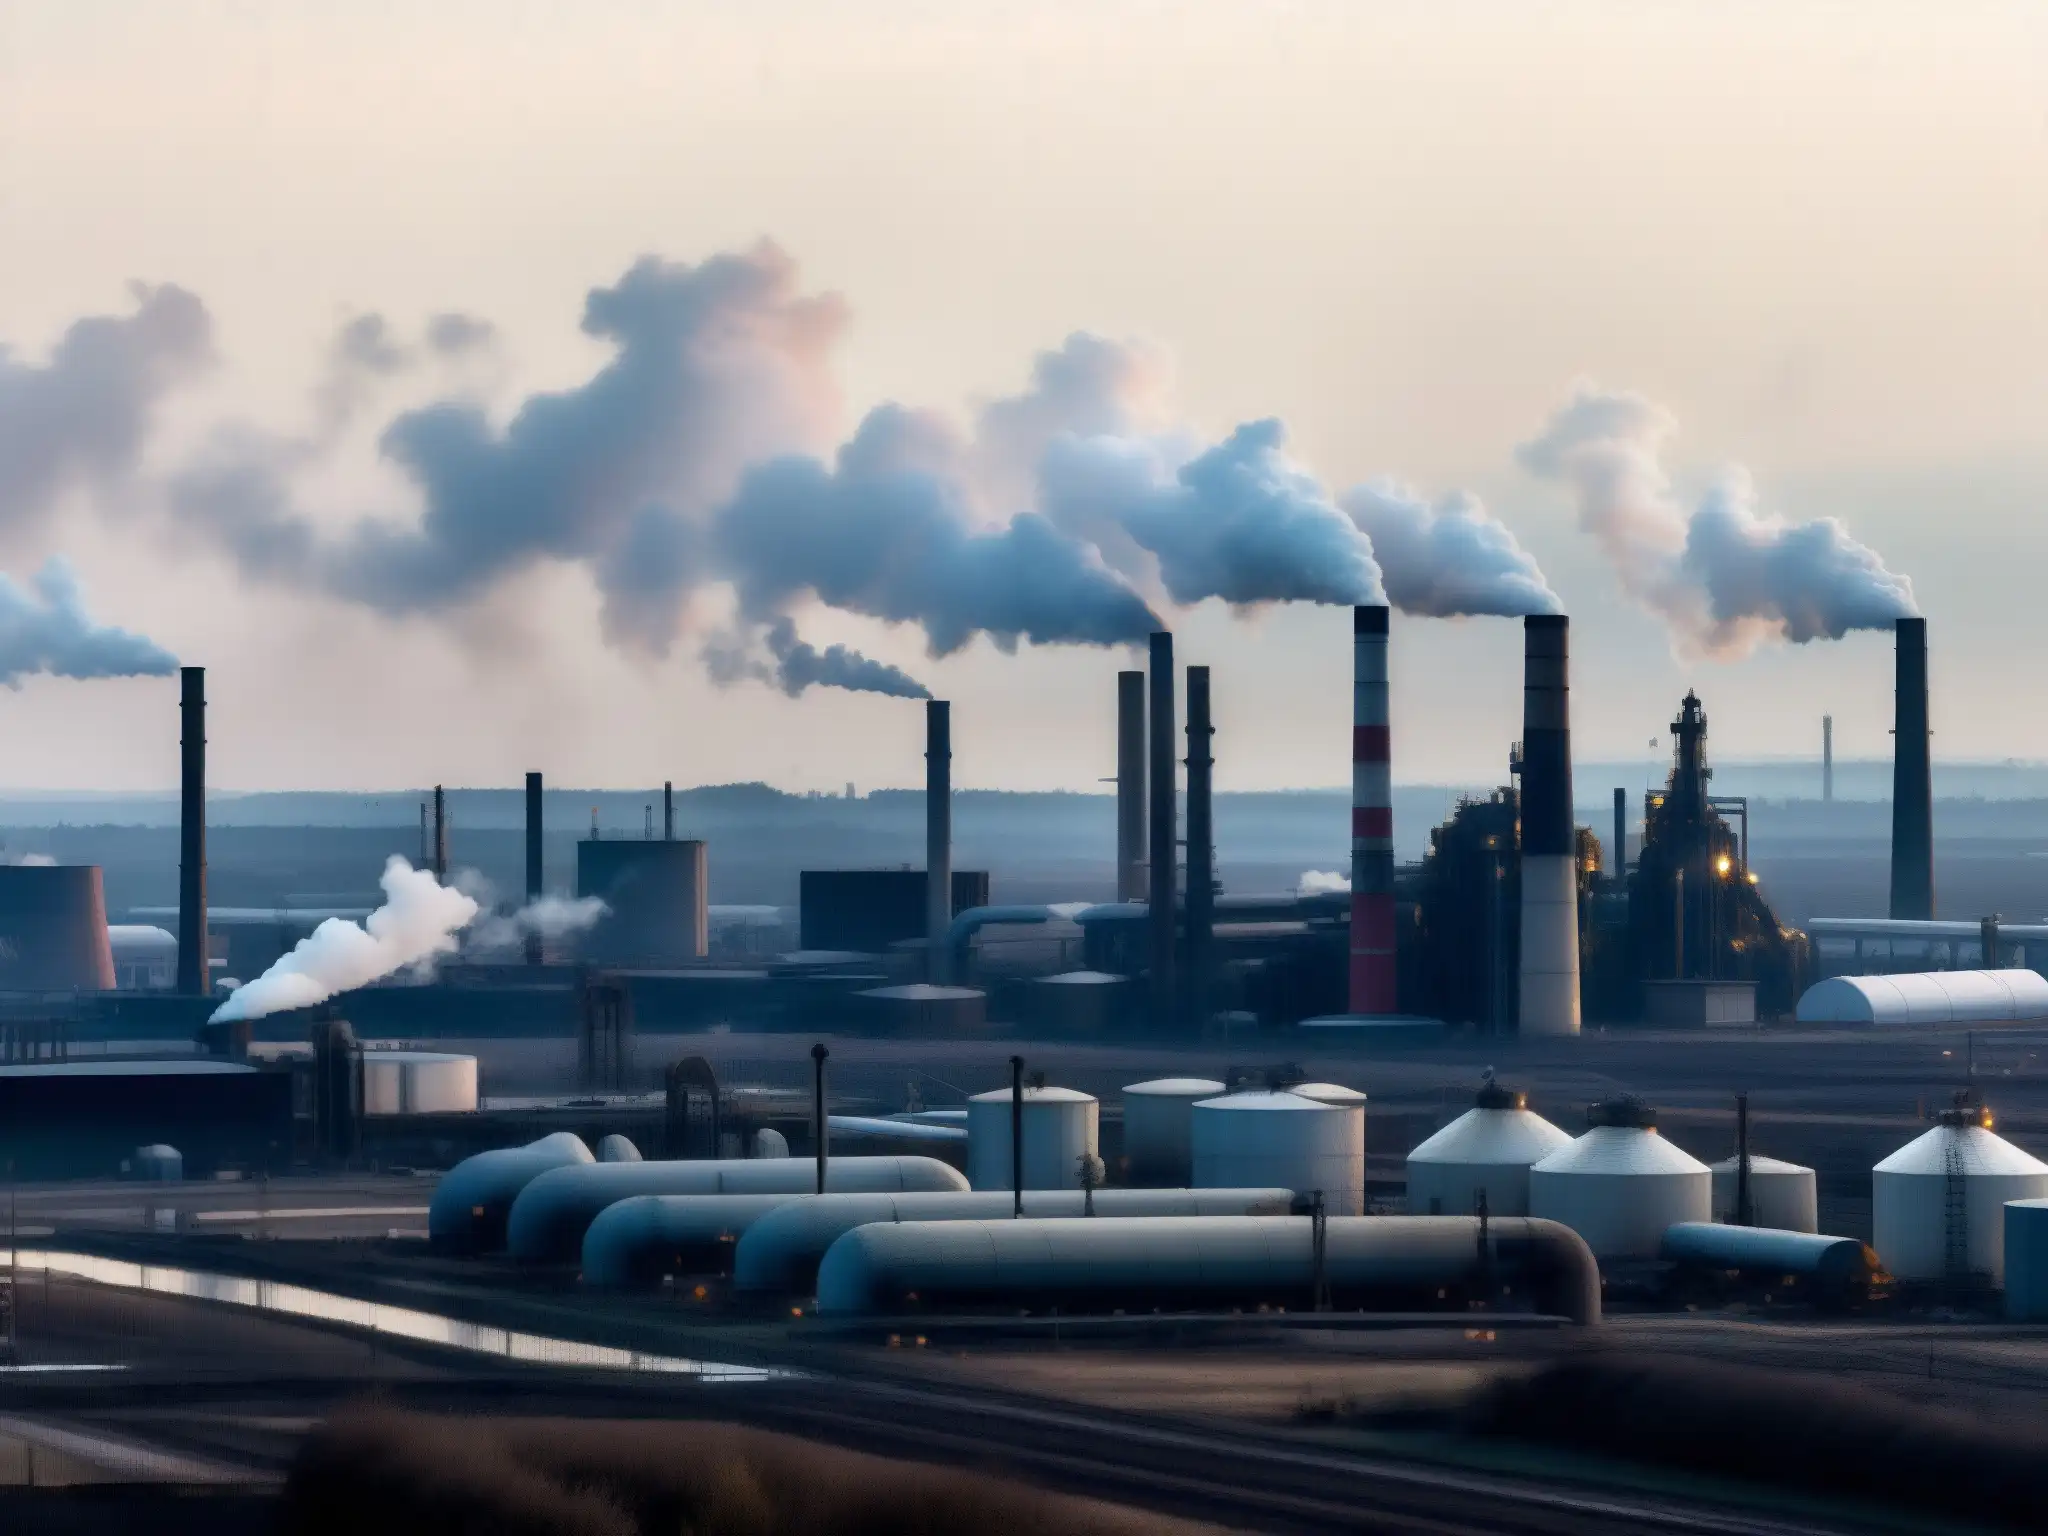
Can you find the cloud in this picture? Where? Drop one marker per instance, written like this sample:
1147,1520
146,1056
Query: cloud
1446,560
1321,882
47,630
452,335
1726,576
82,418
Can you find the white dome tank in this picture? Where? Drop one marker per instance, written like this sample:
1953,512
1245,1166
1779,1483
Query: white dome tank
1781,1195
418,1083
1060,1127
1490,1147
617,1149
1280,1139
1157,1116
1327,1093
1909,1198
1621,1185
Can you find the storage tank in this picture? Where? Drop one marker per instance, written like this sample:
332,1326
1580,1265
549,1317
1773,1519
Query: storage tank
468,1211
548,1220
2026,1260
1918,1235
1327,1093
1621,1185
418,1083
1275,1138
923,1010
1491,1147
1078,1003
781,1251
157,1163
1157,1117
1060,1126
1781,1195
53,929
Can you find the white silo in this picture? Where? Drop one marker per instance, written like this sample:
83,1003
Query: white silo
1279,1139
1938,1203
1156,1120
1489,1148
1060,1126
1327,1093
1621,1185
1781,1195
418,1083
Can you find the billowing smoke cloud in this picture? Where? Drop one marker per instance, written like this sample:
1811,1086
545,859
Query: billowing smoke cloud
47,630
82,417
1321,882
1727,577
417,924
800,665
363,353
549,918
1449,559
451,334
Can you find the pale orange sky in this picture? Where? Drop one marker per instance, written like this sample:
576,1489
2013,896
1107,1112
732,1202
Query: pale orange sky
1818,233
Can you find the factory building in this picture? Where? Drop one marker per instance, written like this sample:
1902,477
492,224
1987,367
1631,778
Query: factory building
868,911
656,901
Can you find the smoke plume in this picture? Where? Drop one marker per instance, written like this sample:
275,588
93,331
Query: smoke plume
1726,577
82,417
1321,882
417,924
1446,560
550,918
49,631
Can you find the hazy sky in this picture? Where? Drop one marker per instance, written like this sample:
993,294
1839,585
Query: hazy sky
1816,233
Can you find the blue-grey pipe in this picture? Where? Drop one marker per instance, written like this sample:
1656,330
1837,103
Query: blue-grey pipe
1839,1268
474,1198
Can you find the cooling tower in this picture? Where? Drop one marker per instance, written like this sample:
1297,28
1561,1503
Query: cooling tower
938,836
1130,786
1912,780
1372,818
1550,881
53,929
192,977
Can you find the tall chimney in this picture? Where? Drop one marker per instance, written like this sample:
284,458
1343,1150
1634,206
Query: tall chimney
440,835
668,811
1130,786
1550,882
938,837
1162,843
1201,894
535,872
1617,863
1827,759
1372,989
1912,780
193,980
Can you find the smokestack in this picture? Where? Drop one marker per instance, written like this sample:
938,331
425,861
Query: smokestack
938,836
193,980
440,835
534,870
1827,759
1912,780
1130,786
1201,894
1372,988
1618,864
1550,883
668,811
1165,813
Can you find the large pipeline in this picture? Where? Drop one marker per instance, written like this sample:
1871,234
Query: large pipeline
552,1214
1837,1271
1376,1263
468,1211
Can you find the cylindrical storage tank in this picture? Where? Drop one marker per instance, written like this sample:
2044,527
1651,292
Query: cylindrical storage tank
1327,1093
769,1142
782,1250
418,1083
1835,1270
924,1010
2026,1260
1395,1263
1781,1195
1158,1116
1489,1149
549,1218
158,1164
1078,1003
631,1244
1278,1139
655,895
1909,1200
473,1199
1060,1127
1621,1185
53,929
615,1148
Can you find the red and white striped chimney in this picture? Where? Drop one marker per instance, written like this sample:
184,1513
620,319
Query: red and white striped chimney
1372,818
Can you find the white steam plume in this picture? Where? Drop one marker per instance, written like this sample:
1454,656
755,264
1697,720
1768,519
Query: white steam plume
1321,882
415,927
1726,576
1447,560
